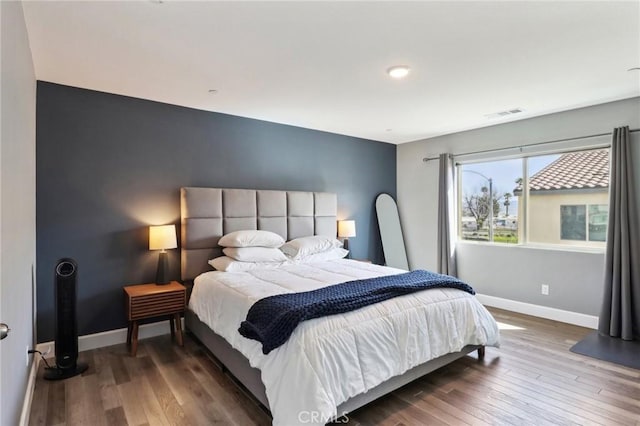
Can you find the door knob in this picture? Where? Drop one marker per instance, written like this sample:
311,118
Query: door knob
4,330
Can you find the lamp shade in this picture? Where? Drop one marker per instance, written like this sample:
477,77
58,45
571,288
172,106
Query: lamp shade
346,228
162,237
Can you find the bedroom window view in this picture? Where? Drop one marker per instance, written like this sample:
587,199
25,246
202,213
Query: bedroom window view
566,199
489,209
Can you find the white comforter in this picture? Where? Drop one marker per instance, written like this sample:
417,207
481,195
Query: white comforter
329,360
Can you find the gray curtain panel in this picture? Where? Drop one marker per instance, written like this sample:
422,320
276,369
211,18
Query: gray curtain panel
620,314
446,217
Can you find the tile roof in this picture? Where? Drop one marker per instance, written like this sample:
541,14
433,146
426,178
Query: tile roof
574,170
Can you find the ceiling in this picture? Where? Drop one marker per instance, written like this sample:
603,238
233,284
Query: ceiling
322,65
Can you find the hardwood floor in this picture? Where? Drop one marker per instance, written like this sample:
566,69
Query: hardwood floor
532,379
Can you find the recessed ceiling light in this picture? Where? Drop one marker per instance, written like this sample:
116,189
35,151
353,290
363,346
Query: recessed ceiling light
398,71
213,91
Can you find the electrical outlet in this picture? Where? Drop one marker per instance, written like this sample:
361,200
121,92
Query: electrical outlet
28,356
544,290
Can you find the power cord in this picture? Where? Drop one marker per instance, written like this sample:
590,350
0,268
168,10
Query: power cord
35,351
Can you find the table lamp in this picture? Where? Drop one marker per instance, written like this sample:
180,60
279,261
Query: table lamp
346,229
162,237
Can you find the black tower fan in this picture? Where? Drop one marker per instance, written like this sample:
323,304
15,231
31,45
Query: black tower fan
67,364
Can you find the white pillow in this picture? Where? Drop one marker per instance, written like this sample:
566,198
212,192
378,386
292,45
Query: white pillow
331,254
227,264
305,246
251,238
255,254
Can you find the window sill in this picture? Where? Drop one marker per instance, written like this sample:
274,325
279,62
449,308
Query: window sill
534,246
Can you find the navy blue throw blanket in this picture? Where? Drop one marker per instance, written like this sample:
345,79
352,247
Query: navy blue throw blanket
272,320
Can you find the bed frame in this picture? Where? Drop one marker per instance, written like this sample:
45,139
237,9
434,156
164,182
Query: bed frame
209,213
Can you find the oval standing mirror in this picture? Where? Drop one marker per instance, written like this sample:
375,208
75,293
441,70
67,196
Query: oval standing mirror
391,232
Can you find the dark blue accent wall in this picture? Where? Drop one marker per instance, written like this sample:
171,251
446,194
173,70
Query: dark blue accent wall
108,166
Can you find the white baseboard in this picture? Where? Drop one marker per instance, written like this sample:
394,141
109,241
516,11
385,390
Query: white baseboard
28,395
115,337
575,318
111,337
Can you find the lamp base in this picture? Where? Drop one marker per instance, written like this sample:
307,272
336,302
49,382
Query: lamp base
162,275
345,245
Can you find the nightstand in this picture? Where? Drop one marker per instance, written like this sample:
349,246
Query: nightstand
150,301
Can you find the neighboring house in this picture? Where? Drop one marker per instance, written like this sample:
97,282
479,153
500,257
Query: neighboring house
575,189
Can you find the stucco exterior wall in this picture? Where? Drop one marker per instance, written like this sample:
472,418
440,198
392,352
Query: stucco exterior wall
545,218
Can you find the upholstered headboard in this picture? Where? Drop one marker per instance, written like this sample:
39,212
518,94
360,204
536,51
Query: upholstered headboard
209,213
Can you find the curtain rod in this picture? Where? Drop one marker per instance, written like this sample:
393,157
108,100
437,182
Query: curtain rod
426,159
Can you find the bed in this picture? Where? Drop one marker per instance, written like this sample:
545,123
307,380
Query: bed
341,362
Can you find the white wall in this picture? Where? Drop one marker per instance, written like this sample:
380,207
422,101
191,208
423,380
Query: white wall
515,273
17,211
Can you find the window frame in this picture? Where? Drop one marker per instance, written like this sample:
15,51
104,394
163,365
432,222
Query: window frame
535,150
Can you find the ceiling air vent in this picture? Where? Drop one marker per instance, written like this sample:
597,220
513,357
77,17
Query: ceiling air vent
504,113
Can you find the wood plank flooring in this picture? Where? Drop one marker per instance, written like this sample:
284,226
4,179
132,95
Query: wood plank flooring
532,379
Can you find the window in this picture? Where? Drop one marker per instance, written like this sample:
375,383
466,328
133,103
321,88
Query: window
573,223
549,199
489,209
598,219
574,220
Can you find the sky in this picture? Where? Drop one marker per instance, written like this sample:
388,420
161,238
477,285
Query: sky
504,174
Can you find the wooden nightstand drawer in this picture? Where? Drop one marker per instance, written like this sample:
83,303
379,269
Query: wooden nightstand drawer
157,304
